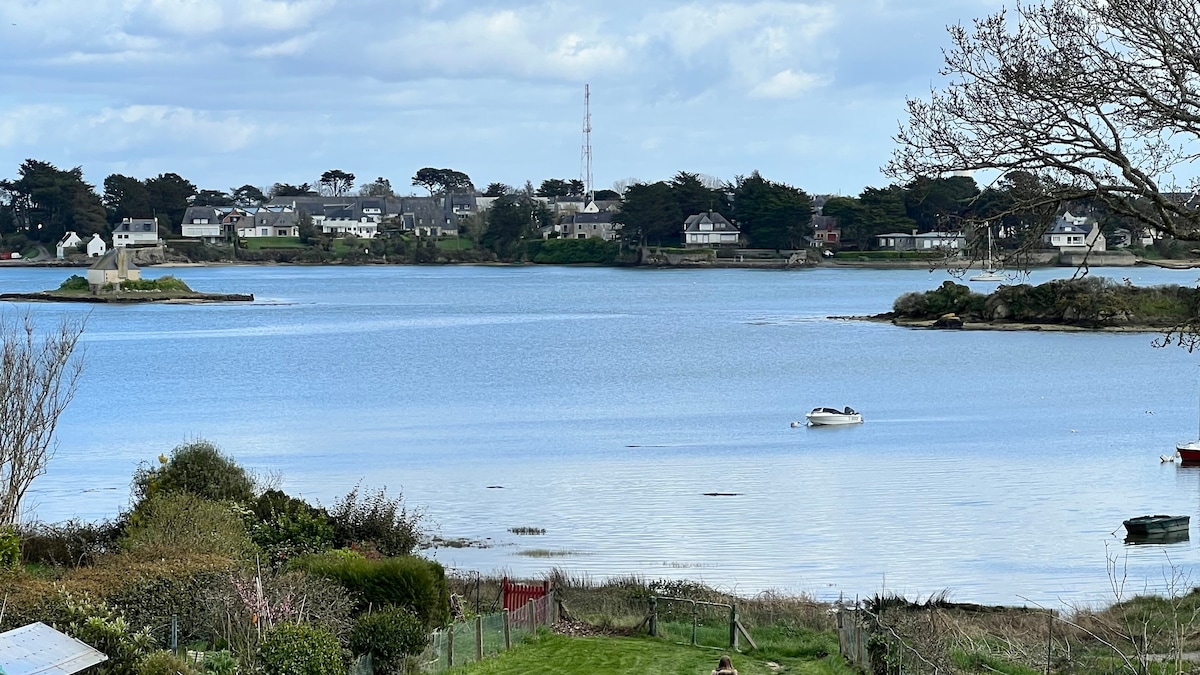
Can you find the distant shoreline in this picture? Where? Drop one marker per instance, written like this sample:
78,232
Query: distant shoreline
1011,326
128,297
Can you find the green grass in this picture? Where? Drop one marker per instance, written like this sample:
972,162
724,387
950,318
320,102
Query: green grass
259,243
459,244
561,655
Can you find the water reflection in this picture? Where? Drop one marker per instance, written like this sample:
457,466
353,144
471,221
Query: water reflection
1159,539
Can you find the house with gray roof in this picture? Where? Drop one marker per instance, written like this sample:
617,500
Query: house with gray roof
135,232
113,268
1075,233
710,229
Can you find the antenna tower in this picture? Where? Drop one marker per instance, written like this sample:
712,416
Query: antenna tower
585,160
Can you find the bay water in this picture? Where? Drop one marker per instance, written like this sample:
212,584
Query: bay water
603,404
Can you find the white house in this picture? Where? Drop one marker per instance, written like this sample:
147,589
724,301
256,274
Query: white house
112,268
945,241
1075,232
96,246
135,232
710,229
69,240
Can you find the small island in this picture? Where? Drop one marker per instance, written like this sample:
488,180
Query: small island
114,279
1090,303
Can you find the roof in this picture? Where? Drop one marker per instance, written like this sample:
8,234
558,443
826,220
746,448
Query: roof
940,235
605,217
718,222
108,261
1063,227
896,235
38,649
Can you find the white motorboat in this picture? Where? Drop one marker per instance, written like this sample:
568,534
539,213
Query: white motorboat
824,417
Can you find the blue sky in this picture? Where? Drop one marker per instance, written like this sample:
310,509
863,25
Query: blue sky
229,92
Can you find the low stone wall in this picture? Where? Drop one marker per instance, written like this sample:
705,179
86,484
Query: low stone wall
1097,259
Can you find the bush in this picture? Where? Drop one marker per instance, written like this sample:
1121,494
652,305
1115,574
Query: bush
388,636
164,663
300,649
412,583
169,525
199,468
74,283
219,663
285,527
376,523
69,544
96,624
567,251
167,283
10,549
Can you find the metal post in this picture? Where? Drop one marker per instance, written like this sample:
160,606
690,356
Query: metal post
450,646
175,633
653,617
695,619
507,631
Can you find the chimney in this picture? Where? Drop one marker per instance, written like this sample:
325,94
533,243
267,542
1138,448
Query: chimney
122,265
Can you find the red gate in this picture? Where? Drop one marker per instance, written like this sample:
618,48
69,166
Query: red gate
517,595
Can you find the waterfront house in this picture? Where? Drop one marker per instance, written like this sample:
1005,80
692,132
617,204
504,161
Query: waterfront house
1075,233
710,229
69,241
96,246
113,268
940,241
135,232
826,232
896,241
592,221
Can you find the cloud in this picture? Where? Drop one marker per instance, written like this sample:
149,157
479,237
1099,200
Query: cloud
786,84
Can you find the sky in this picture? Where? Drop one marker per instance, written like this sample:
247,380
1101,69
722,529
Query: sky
234,92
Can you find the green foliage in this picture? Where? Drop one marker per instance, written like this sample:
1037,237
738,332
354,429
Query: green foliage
10,549
199,468
74,283
164,663
375,522
166,283
219,663
948,298
285,527
407,582
388,636
69,544
771,215
96,624
567,251
181,523
301,649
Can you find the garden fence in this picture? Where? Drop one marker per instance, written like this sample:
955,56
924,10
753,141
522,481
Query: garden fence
700,624
486,635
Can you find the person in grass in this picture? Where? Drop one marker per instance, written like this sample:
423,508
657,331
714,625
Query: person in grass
725,667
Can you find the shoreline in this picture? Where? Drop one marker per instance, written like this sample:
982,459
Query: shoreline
1010,326
129,298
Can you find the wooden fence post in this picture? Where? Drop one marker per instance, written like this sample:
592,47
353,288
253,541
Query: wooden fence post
450,646
733,620
653,617
507,632
478,637
532,609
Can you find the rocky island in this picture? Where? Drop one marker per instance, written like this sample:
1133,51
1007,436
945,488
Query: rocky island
114,279
1090,303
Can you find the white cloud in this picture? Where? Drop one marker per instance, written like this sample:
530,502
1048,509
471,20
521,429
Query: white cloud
25,124
785,84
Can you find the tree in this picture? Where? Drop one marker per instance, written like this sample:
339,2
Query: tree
47,202
1095,99
509,219
248,195
554,187
306,227
125,197
650,214
443,181
38,375
693,196
336,182
771,215
211,198
289,190
169,194
380,187
497,190
198,468
939,204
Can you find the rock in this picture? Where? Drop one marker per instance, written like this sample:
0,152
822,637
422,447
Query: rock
950,320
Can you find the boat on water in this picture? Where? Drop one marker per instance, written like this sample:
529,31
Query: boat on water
1144,526
825,417
991,272
1189,453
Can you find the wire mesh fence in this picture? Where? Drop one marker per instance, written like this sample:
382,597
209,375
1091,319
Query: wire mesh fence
693,622
486,635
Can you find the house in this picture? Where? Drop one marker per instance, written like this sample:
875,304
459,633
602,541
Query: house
896,241
826,232
203,223
135,232
96,246
940,241
1075,233
69,241
113,268
710,229
587,225
38,649
213,224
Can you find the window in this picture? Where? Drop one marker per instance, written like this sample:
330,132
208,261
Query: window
266,232
147,227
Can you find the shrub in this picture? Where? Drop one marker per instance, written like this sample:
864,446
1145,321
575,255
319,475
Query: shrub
388,636
96,624
199,468
566,251
169,525
412,583
164,663
69,544
74,283
285,527
219,663
300,649
375,522
10,549
167,283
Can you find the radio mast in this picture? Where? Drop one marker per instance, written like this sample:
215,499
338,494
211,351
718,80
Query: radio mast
585,160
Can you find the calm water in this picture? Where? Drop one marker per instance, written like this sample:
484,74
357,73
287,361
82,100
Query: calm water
604,403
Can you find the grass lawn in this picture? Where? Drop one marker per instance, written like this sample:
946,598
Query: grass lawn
561,655
257,243
459,244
